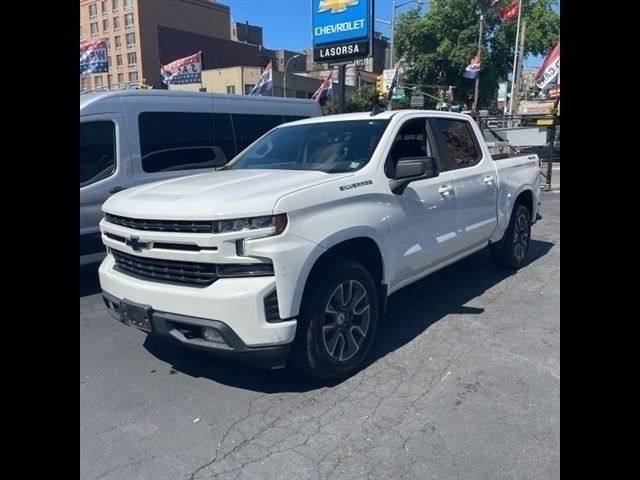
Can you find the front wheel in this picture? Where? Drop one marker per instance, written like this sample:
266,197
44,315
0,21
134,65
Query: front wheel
511,252
338,321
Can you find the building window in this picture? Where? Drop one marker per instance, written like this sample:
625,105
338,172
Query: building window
116,23
81,33
93,10
231,89
103,7
109,61
94,29
133,76
248,88
98,81
131,39
114,5
84,85
119,61
120,78
118,42
128,20
128,4
105,26
132,59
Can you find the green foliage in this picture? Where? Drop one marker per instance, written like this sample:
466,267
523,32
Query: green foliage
362,101
439,44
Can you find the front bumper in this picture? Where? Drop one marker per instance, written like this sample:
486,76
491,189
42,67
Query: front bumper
235,302
189,331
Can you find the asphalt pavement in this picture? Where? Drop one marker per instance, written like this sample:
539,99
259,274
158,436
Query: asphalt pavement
463,383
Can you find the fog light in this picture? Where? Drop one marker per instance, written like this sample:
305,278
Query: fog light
212,335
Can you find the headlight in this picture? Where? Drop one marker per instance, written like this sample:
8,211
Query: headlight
279,222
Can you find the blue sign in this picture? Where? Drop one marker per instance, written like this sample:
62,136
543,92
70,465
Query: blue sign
341,21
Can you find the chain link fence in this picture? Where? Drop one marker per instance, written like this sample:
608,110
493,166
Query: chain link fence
539,134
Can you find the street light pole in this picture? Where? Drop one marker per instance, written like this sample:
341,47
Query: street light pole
393,28
285,72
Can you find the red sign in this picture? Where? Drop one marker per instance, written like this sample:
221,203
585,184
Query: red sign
554,92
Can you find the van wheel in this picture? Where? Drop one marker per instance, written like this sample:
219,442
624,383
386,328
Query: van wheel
338,321
511,252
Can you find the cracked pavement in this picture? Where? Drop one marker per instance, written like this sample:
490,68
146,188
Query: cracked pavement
463,383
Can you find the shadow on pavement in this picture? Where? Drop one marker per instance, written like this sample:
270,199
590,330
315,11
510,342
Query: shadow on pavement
410,312
89,282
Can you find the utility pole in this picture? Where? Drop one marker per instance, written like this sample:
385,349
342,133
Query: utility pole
515,58
342,77
515,100
477,89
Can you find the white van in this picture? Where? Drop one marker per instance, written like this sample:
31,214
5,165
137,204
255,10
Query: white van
131,137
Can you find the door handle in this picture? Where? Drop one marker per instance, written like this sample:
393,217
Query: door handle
488,179
117,189
445,189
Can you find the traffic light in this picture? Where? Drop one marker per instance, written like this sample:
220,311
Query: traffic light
380,87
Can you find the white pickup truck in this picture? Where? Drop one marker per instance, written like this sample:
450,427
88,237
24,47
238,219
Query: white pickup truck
289,252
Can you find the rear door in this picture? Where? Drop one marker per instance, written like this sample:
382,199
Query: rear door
474,179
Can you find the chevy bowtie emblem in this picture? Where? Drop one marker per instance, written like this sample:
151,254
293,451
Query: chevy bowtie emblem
136,244
336,6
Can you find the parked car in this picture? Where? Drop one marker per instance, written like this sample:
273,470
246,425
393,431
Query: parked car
132,137
290,251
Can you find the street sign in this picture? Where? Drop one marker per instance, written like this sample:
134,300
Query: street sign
342,30
554,92
388,77
417,101
398,94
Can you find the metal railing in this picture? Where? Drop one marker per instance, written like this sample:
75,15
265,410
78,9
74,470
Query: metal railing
539,134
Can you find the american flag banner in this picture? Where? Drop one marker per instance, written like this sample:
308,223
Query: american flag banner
548,73
473,69
510,11
325,89
93,57
184,70
265,82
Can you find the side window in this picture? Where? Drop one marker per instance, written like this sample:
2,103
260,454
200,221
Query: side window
459,142
411,141
223,135
171,141
97,151
249,128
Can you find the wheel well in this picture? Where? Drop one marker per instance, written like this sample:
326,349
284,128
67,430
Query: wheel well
362,250
525,198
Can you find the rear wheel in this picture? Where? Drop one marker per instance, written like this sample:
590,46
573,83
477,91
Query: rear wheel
511,252
338,321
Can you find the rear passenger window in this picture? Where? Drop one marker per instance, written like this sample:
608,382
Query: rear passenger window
459,140
249,128
97,151
171,141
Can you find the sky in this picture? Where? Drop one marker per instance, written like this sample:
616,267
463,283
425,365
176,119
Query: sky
287,23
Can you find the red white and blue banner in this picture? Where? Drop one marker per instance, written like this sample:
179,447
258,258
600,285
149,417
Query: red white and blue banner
325,90
396,77
473,69
182,71
550,69
265,83
93,57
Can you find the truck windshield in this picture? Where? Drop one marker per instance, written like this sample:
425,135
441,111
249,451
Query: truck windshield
331,147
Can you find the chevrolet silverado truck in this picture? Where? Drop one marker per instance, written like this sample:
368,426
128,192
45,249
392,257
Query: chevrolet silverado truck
289,252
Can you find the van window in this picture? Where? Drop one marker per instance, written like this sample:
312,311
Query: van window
292,118
249,128
97,151
171,141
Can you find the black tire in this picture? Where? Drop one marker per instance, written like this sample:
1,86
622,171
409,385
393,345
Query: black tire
511,251
311,351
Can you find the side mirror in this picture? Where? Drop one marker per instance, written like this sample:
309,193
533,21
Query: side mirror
411,169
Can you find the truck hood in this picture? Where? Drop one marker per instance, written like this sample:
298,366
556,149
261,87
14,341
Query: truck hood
215,195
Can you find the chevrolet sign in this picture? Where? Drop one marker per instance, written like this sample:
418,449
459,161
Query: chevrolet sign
342,29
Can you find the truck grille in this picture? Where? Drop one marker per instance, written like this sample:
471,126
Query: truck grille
182,226
186,273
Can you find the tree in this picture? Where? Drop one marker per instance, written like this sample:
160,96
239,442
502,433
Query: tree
438,45
362,101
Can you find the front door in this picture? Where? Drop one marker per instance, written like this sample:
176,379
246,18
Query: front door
423,218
